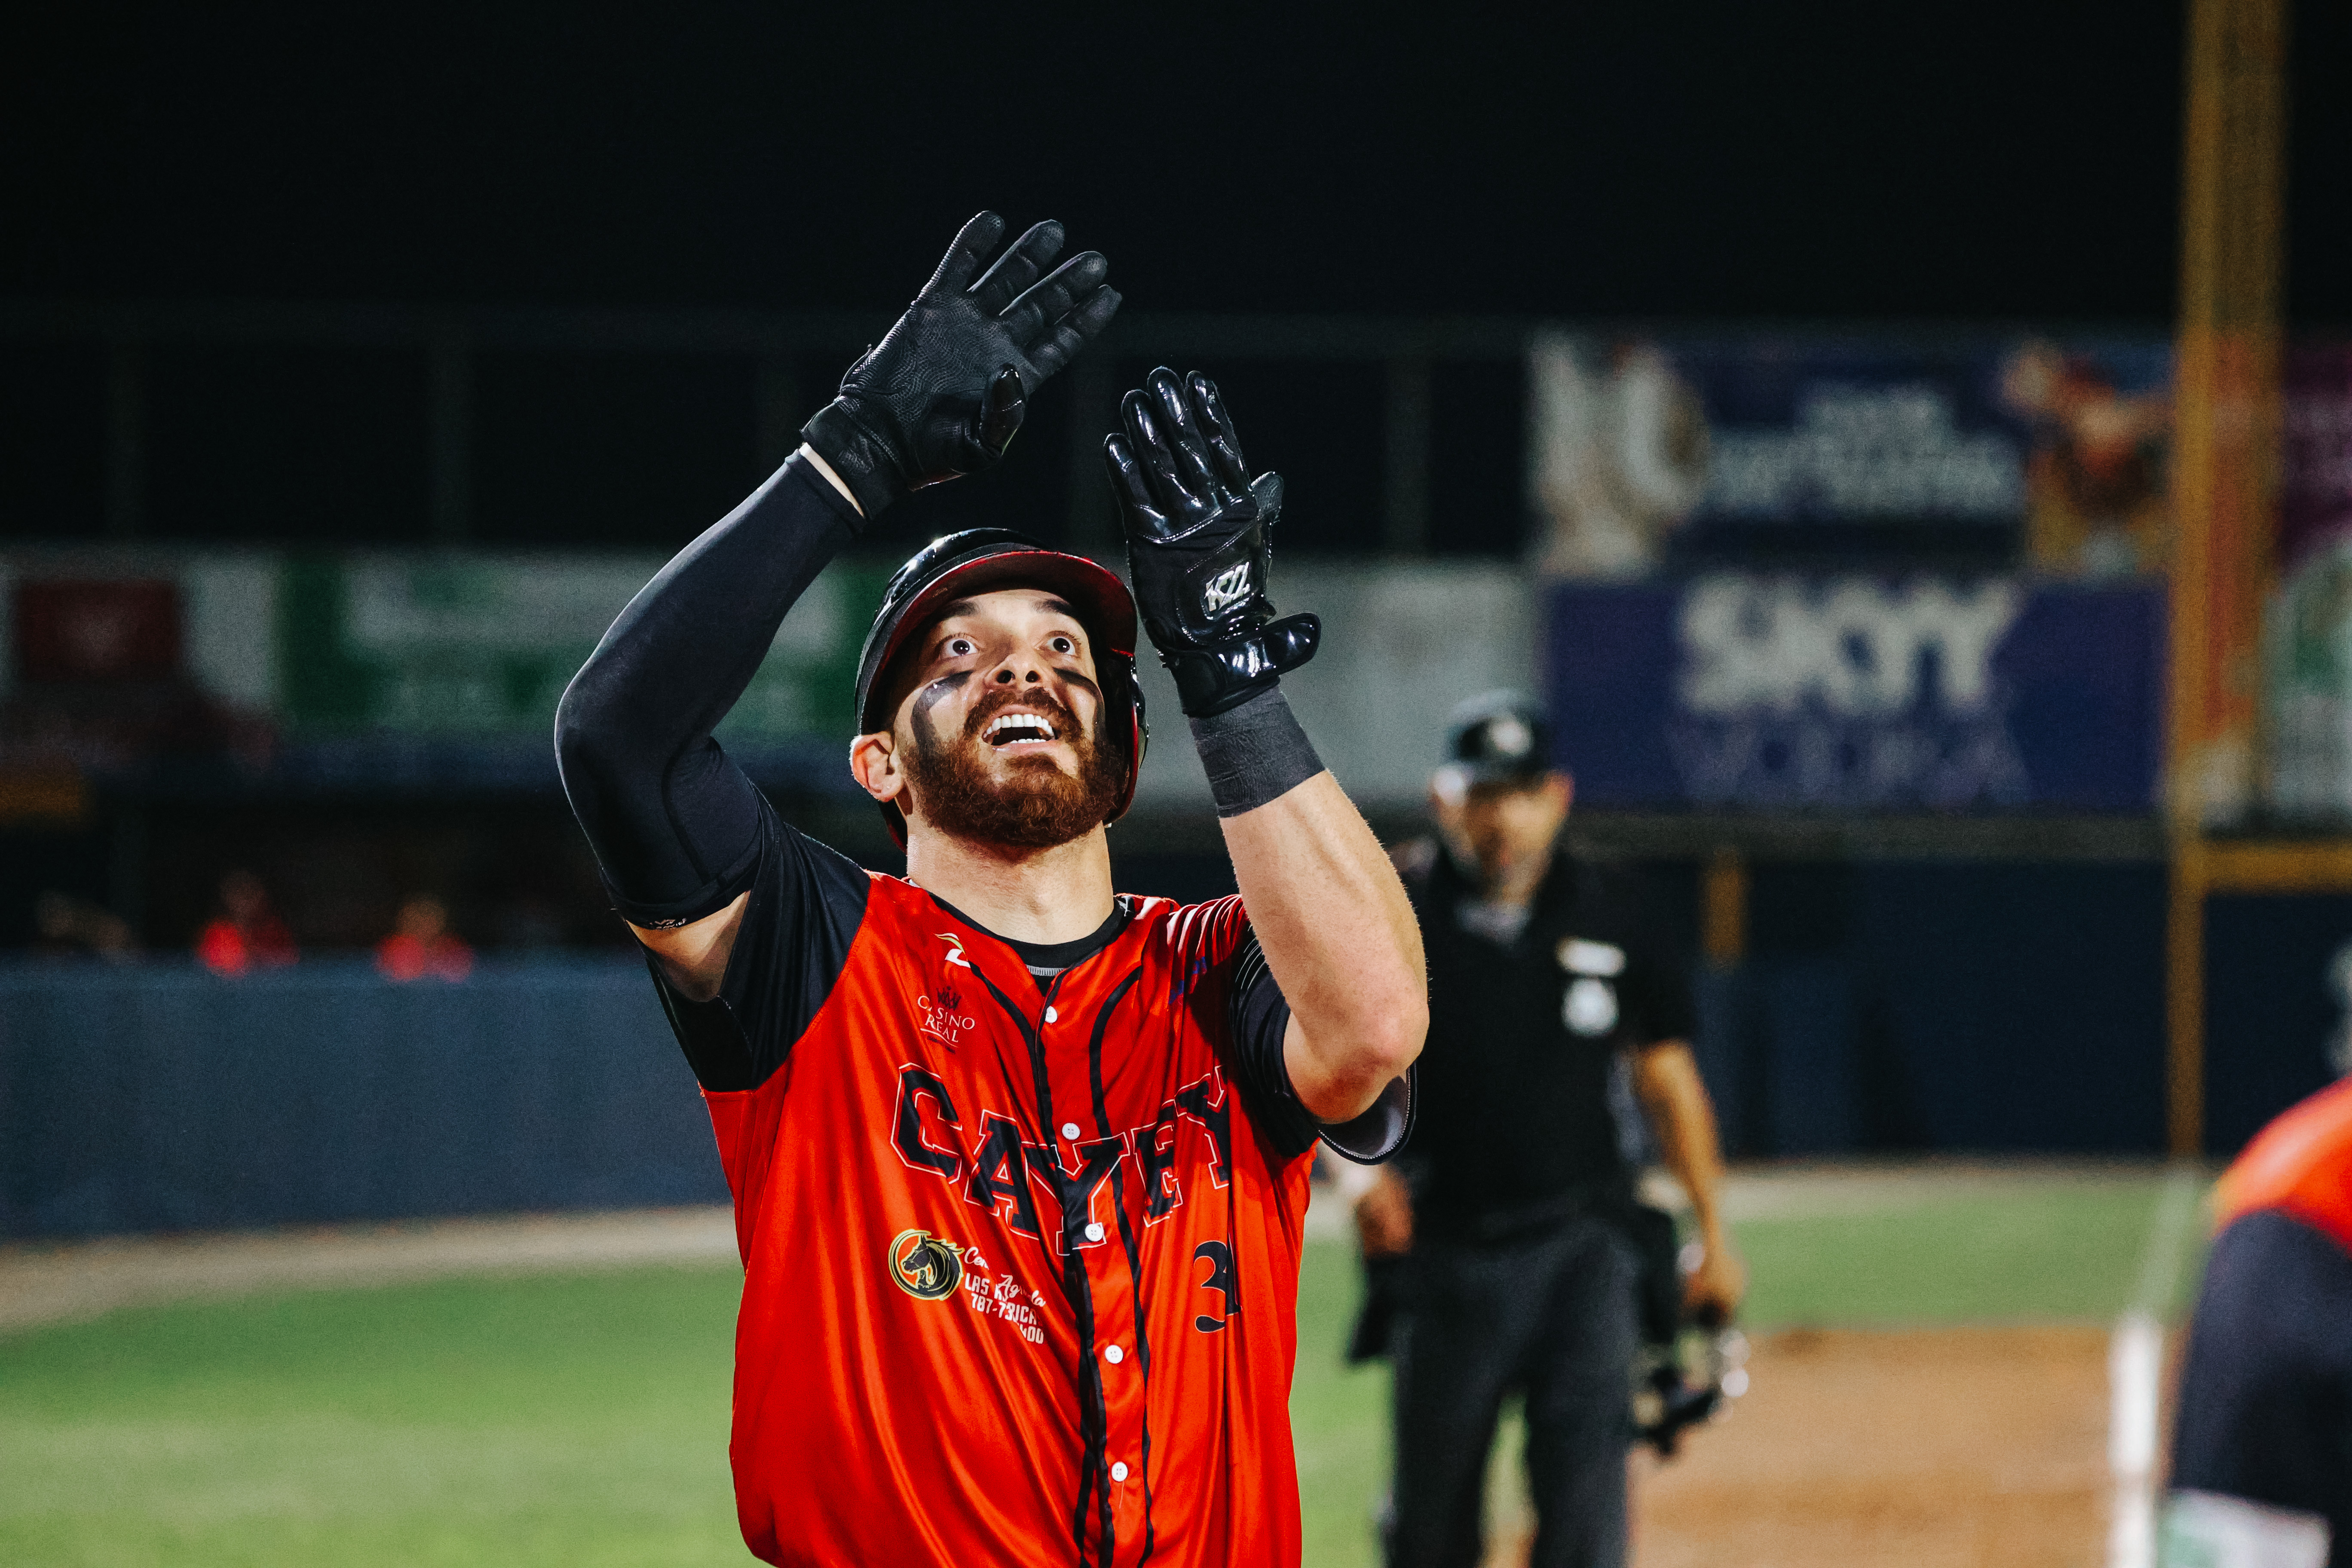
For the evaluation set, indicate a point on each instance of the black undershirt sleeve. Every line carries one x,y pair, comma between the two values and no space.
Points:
1259,1018
806,903
678,830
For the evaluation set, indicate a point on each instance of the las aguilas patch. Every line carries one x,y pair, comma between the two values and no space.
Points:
925,1267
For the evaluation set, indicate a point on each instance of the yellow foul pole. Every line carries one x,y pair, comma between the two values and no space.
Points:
2224,479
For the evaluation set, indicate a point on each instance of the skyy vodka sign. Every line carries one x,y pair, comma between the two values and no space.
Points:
1850,693
1772,691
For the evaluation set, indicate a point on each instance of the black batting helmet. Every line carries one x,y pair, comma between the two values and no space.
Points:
974,561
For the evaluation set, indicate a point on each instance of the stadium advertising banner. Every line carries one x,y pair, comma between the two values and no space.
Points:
1650,452
1687,455
484,645
1851,693
421,670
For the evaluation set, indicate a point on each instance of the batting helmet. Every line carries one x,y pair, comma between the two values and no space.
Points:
975,562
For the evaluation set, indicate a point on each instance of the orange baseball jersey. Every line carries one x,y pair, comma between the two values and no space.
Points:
1020,1227
2301,1165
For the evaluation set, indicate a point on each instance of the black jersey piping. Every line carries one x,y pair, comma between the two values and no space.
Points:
1054,956
1126,1238
1094,1414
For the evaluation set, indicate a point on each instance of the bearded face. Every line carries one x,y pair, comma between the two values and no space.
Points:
1025,801
998,732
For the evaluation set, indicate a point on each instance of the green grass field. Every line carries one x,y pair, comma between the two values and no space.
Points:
581,1420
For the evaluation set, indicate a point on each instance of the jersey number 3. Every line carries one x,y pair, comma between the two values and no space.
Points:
1221,1280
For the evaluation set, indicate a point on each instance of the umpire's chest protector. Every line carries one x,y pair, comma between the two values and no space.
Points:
1021,1272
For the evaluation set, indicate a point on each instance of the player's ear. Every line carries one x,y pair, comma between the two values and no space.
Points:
874,763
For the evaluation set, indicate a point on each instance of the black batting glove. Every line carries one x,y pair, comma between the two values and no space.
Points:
944,392
1196,545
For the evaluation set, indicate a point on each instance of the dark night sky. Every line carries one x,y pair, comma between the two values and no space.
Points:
1872,161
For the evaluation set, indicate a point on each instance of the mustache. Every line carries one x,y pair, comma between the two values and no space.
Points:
1066,724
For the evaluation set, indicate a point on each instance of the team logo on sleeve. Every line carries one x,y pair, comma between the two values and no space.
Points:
925,1267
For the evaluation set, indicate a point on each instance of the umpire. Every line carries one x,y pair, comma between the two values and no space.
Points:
1510,1234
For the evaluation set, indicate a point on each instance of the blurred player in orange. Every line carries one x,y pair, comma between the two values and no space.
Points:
2262,1453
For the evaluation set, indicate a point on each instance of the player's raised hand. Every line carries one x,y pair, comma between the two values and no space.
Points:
945,390
1196,545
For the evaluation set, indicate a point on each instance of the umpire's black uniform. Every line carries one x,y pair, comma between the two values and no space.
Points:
1522,1273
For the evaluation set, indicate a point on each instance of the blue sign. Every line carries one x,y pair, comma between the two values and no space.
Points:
1829,433
1737,691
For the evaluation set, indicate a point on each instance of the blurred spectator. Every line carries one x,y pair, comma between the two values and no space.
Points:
247,934
65,924
421,947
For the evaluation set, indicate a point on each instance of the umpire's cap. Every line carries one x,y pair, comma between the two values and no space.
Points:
1498,737
977,561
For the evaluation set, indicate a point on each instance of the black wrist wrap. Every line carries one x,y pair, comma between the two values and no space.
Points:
1255,753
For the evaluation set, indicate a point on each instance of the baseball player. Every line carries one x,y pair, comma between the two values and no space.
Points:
2261,1450
1019,1162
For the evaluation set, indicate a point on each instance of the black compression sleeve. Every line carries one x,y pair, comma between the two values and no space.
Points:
675,824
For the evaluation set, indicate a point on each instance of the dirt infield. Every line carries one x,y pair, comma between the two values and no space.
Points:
1933,1449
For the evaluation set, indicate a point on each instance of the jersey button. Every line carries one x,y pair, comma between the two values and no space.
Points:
1095,1231
1070,1131
1052,1016
1114,1355
1119,1472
